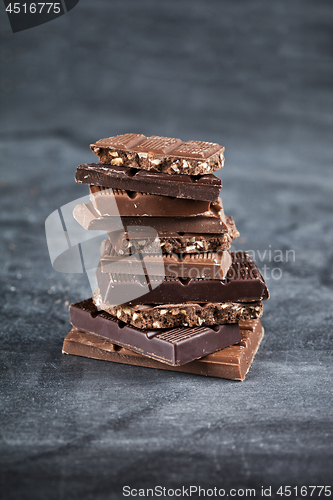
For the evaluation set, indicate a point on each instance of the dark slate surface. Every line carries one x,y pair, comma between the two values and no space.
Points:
255,76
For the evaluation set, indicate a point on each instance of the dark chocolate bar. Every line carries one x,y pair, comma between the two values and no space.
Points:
205,187
110,202
86,215
181,314
160,154
231,363
175,347
173,242
243,283
209,265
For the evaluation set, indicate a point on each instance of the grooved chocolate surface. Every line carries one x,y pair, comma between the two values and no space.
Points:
231,362
243,283
87,216
196,149
174,347
200,187
209,265
111,202
160,154
157,145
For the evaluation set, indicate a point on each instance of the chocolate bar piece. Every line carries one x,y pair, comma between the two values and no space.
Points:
210,265
170,243
89,219
175,347
160,154
231,363
205,187
243,283
172,315
135,204
173,242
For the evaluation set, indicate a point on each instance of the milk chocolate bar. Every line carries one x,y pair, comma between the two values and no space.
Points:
243,283
160,154
204,187
86,215
185,314
173,242
136,204
209,265
230,363
175,347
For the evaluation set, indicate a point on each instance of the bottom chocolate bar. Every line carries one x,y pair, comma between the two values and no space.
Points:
232,362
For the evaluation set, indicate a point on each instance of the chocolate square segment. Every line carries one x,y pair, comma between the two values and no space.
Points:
157,145
125,141
197,150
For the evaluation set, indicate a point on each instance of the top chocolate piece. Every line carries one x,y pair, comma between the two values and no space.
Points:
160,154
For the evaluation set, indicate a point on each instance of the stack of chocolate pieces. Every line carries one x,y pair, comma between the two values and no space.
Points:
169,295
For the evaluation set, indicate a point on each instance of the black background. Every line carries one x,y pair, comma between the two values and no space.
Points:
255,76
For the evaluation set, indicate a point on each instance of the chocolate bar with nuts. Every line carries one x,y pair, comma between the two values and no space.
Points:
231,362
89,219
111,202
175,347
170,243
209,265
203,187
160,154
186,314
173,242
243,283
